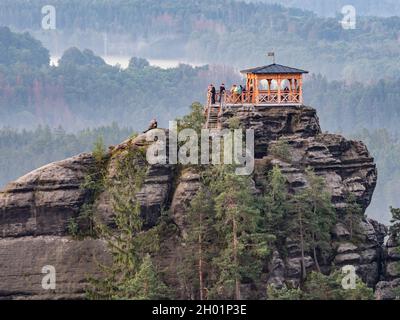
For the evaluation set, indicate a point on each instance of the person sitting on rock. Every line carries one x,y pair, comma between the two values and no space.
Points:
153,125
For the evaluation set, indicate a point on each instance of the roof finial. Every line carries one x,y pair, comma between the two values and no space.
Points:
272,54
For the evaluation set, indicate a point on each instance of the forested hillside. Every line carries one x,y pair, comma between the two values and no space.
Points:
384,8
84,91
349,108
227,32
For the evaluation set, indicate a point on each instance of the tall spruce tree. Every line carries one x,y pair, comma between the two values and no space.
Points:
200,242
353,215
314,218
276,206
237,221
145,284
129,244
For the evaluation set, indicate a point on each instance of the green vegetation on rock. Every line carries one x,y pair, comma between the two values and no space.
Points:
321,287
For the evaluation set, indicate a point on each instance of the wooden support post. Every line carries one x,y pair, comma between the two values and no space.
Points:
256,89
291,90
279,89
300,90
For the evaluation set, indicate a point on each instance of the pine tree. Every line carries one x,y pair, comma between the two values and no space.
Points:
353,214
129,244
322,287
200,240
145,285
315,218
238,224
194,120
298,226
276,206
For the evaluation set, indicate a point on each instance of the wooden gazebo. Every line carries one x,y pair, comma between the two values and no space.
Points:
274,84
271,84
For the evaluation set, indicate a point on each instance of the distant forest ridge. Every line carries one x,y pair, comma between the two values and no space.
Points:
330,8
224,32
83,91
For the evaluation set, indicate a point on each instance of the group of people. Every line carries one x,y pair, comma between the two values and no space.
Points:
235,91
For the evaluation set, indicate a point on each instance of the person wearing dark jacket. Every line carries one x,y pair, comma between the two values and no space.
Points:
221,92
213,92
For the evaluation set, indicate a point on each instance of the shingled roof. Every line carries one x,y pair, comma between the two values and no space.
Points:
273,69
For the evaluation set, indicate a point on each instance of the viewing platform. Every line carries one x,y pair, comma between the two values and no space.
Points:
273,84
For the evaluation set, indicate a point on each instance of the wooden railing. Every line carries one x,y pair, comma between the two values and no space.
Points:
263,97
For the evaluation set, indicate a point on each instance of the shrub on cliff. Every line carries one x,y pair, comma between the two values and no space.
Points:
322,287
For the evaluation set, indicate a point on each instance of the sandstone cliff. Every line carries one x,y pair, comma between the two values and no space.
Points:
35,209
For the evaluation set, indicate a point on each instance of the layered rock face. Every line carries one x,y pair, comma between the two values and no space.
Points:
346,167
34,214
389,287
34,210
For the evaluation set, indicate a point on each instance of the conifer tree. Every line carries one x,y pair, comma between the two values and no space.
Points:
129,244
276,206
145,284
200,240
238,224
315,218
322,287
395,221
353,214
194,120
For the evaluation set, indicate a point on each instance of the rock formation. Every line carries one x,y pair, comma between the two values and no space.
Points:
35,209
389,288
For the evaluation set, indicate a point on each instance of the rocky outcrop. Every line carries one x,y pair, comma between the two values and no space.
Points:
366,255
187,187
345,165
35,209
41,202
24,262
389,287
272,122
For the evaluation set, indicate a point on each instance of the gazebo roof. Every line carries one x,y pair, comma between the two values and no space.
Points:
273,69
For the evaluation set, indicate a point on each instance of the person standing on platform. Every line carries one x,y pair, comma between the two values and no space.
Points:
221,92
213,93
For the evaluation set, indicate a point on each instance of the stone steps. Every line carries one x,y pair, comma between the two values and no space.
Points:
212,118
